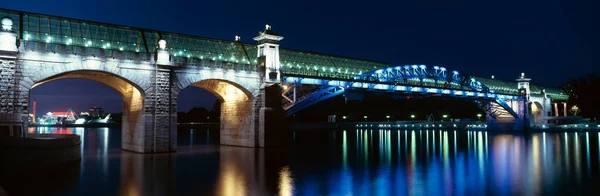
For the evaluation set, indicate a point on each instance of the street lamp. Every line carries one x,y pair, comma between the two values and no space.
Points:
388,118
412,116
445,116
478,116
365,118
344,117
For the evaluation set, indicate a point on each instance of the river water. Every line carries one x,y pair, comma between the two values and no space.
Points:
335,162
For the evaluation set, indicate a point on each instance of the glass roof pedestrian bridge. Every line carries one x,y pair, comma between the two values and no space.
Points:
76,34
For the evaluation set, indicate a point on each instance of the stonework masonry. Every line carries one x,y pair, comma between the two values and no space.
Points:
149,92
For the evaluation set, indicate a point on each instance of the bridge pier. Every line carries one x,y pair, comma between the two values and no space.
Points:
13,116
271,129
510,123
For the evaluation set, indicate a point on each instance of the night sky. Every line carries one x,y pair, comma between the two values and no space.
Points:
549,40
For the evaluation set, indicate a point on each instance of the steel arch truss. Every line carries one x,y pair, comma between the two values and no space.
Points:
423,76
309,98
497,108
303,91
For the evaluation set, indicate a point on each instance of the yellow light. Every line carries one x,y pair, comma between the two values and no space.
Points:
286,182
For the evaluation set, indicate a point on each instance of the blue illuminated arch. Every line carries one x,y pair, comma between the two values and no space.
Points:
422,75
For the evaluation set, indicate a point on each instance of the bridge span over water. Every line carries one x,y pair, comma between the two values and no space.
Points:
257,83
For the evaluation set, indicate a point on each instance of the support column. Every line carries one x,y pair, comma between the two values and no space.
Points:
556,109
565,109
523,122
160,117
271,130
160,110
294,86
13,97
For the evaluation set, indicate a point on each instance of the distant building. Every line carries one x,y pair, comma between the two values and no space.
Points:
96,112
84,114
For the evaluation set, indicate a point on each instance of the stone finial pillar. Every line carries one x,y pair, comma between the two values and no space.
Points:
8,38
523,84
268,55
162,55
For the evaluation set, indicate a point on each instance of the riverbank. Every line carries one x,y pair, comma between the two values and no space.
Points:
418,125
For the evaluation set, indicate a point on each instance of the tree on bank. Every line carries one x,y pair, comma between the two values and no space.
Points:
584,92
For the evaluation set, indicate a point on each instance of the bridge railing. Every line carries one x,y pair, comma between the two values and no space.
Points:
187,61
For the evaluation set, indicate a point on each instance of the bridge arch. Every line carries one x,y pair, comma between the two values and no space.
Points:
133,121
537,111
238,117
422,75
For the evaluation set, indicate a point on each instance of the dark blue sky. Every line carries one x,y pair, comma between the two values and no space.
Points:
549,40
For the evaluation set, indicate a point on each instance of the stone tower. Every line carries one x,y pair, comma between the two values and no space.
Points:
268,55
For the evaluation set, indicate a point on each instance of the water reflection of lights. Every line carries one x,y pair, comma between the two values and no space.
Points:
81,132
365,145
413,149
535,151
587,151
440,140
454,143
191,137
433,139
286,182
105,150
445,151
406,142
389,147
231,181
344,148
567,159
577,157
398,144
427,143
544,145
